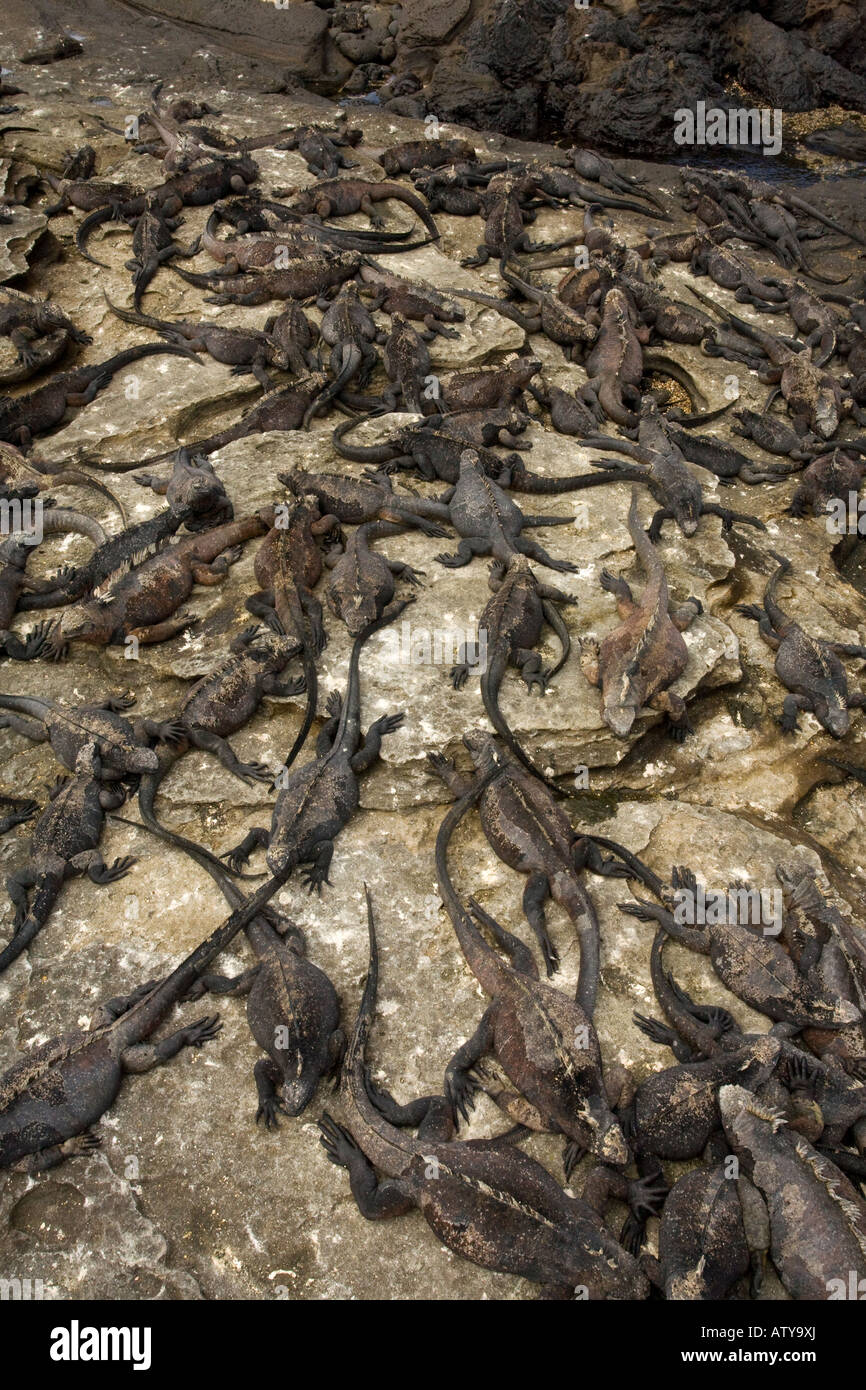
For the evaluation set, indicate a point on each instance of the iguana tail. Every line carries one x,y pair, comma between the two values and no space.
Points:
774,612
147,793
44,896
381,1141
491,681
360,453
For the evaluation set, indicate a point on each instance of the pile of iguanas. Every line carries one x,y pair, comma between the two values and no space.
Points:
344,333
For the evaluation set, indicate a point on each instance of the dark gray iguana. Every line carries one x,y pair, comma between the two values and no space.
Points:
544,1041
320,797
122,745
64,843
807,666
816,1217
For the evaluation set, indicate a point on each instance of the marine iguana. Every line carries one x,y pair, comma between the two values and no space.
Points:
703,1248
509,631
556,320
561,185
495,1206
318,799
272,248
193,491
817,1220
243,349
199,497
832,950
595,167
561,1077
807,666
304,277
532,834
50,1100
774,435
358,500
663,470
322,150
615,364
144,601
362,582
818,1098
490,522
487,388
43,409
15,551
122,745
424,154
153,245
64,843
25,321
218,705
485,429
395,294
639,661
814,318
813,395
20,477
281,409
195,188
407,364
754,965
349,330
288,566
292,1010
343,197
829,478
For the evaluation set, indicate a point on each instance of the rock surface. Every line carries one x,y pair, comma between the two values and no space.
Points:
188,1199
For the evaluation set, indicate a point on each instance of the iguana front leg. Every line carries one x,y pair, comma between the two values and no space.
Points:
52,1157
320,863
100,873
791,706
272,685
674,706
257,838
377,1201
445,768
160,632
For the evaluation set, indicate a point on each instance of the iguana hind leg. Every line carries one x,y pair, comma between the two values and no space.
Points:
142,1057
